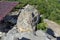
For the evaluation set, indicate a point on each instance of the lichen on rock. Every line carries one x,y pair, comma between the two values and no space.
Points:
26,18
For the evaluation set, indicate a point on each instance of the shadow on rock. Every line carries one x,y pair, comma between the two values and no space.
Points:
58,38
24,38
50,32
8,23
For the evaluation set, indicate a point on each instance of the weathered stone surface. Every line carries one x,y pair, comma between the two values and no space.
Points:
1,34
26,23
28,18
13,34
54,27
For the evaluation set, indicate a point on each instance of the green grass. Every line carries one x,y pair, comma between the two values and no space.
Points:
42,26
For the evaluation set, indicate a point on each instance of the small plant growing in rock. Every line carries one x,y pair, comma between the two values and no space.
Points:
41,26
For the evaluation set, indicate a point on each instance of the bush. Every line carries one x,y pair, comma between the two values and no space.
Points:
41,26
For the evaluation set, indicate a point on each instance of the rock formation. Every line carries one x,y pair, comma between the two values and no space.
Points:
25,27
28,19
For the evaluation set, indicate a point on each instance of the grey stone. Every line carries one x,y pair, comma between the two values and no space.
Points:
40,33
1,34
54,27
25,28
13,34
50,37
28,18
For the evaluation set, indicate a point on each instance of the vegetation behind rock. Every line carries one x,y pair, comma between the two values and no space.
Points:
50,9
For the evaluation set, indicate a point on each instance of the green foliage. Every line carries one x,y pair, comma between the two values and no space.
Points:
41,26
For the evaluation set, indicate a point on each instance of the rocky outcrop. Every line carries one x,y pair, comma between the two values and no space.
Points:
28,18
25,27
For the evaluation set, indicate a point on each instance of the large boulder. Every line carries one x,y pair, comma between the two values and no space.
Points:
28,19
25,29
